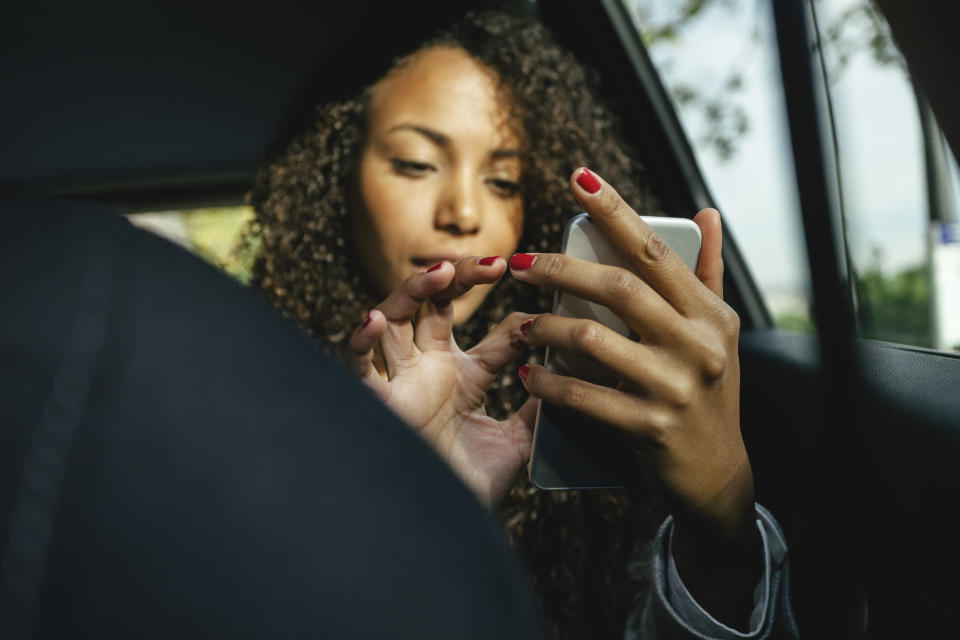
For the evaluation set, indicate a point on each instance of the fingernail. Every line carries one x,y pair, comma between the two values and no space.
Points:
523,371
522,261
366,321
486,262
525,326
588,182
434,267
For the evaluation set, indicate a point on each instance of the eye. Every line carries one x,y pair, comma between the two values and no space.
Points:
503,187
410,167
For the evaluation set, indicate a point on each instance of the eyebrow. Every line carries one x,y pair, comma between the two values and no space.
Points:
435,136
444,140
505,153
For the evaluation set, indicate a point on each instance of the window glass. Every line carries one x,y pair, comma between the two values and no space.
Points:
945,266
718,59
906,264
215,234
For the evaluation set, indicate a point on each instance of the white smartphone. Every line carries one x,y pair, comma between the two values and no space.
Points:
569,450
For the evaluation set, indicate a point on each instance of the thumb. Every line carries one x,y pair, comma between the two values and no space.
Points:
520,425
710,264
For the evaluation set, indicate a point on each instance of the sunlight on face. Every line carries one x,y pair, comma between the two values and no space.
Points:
439,173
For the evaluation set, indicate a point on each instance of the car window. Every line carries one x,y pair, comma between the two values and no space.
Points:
216,234
718,60
902,235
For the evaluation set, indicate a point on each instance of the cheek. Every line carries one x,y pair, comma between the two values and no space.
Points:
380,218
375,228
375,204
508,227
395,208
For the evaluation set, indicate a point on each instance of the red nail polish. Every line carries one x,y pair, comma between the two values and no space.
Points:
522,261
588,182
486,262
525,326
523,371
366,321
434,267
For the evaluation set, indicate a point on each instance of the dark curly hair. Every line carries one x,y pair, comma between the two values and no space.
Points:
585,551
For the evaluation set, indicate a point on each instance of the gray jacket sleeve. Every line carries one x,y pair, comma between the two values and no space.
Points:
669,612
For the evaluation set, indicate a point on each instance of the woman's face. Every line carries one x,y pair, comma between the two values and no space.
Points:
439,174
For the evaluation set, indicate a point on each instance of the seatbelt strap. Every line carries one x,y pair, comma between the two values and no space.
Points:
36,504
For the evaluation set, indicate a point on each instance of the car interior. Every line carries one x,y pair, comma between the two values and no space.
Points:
854,442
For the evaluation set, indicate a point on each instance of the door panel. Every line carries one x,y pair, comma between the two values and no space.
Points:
874,523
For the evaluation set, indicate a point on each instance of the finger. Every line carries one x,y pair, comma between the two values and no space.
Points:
622,291
645,250
642,367
401,306
710,264
404,303
469,273
632,414
359,358
434,327
499,347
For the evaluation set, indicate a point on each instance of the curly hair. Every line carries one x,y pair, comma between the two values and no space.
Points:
585,551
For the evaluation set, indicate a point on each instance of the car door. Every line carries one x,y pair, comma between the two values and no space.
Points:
853,441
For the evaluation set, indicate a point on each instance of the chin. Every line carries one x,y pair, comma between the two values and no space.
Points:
466,306
459,319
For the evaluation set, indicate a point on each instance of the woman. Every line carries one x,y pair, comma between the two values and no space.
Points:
397,208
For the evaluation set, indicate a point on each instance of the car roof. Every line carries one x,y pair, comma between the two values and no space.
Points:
120,95
182,96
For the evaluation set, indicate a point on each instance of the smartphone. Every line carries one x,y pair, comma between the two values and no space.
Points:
569,450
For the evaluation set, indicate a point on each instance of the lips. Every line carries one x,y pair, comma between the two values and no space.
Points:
429,261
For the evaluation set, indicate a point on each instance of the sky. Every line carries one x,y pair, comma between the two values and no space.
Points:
878,137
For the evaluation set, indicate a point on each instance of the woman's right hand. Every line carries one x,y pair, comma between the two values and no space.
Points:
438,389
678,401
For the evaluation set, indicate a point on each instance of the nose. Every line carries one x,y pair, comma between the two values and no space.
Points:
459,208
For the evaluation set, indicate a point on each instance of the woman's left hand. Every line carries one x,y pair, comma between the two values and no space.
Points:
679,400
438,389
